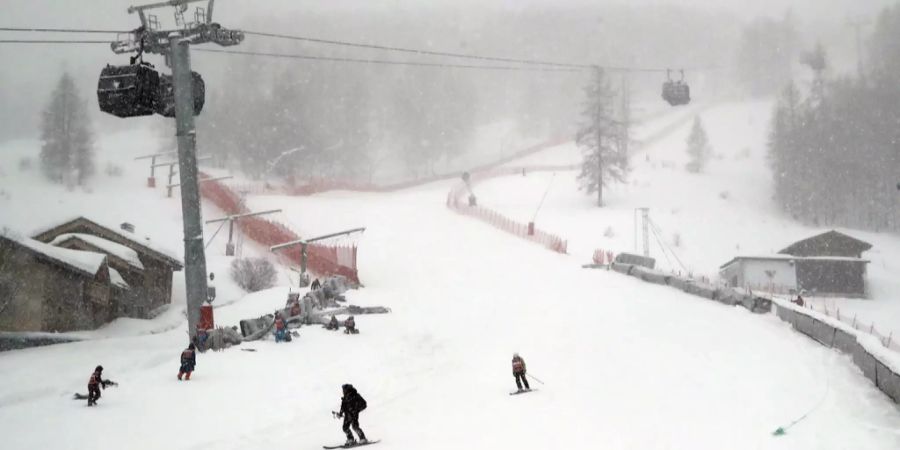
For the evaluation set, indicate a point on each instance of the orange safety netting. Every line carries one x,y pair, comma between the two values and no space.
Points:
321,259
457,201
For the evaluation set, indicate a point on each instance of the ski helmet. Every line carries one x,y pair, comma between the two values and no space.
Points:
99,369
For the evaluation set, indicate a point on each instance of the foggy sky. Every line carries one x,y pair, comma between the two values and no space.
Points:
29,72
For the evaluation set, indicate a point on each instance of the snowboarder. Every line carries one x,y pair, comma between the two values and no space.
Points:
351,405
350,326
316,284
188,362
518,367
94,384
332,324
280,328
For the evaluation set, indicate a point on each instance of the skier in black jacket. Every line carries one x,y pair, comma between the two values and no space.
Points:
351,405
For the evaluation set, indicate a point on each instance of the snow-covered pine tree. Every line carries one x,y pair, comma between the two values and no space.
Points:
597,137
67,153
698,147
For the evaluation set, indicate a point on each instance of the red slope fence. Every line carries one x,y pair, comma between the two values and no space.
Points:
321,259
320,185
457,200
342,260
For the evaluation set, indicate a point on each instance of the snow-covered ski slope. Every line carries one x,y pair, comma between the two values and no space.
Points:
626,365
706,218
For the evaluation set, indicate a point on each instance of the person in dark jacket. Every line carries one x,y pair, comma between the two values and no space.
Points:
332,324
315,285
518,367
188,362
350,326
94,384
351,405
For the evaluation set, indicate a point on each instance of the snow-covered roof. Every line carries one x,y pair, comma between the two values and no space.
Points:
86,262
116,279
782,257
774,257
832,258
114,229
118,250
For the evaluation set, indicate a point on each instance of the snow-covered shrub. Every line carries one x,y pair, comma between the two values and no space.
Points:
253,274
113,170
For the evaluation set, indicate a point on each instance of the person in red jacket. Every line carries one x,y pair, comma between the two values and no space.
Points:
188,362
94,384
518,368
280,328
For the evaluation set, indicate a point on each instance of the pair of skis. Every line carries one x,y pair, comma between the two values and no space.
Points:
522,391
357,444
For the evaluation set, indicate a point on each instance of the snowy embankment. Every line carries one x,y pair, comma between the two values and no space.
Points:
626,365
706,219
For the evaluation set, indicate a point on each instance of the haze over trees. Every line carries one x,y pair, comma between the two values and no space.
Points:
766,55
602,138
67,153
833,148
698,147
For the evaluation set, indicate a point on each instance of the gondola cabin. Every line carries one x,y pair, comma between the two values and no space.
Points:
676,92
128,91
166,106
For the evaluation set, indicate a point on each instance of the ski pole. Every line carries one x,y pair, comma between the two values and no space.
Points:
533,378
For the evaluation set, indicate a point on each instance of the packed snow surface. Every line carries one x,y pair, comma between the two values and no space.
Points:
625,365
706,219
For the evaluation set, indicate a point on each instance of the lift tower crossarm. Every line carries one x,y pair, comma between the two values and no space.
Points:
238,216
175,163
155,155
315,239
304,243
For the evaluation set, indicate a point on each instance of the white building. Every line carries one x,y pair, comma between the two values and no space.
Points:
772,273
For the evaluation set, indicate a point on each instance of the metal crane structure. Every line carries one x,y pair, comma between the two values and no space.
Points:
229,247
304,244
137,89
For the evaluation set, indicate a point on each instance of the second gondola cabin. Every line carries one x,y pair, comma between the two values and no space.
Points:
166,106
